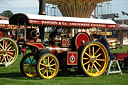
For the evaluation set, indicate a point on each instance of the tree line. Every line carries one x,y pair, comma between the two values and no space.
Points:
7,13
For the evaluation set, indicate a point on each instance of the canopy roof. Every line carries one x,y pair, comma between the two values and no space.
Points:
59,2
5,25
4,21
31,19
76,8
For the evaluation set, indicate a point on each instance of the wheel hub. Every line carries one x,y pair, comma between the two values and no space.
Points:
93,59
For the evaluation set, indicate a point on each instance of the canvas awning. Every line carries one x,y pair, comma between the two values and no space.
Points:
31,19
122,26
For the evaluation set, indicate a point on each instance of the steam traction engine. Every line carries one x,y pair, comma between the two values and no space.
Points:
62,52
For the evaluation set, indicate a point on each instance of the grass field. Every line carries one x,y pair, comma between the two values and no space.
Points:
11,75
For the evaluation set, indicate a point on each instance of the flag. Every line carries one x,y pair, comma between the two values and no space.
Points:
127,14
123,13
94,17
100,16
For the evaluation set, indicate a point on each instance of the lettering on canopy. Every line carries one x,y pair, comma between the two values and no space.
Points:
7,26
75,24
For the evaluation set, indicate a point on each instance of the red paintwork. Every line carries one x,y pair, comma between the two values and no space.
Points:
81,37
64,42
2,34
69,55
66,23
53,51
121,56
23,49
38,45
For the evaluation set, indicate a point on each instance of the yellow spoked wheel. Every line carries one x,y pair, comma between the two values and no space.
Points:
94,59
28,65
47,66
8,51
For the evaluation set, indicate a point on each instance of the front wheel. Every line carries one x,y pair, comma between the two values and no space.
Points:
93,58
47,66
28,65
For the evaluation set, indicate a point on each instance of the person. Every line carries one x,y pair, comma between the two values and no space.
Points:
103,40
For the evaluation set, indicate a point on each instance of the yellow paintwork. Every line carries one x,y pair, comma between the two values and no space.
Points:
8,51
48,66
96,59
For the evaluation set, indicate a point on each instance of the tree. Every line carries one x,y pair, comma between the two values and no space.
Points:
7,13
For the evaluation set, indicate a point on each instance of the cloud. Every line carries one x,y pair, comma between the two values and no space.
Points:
26,6
24,3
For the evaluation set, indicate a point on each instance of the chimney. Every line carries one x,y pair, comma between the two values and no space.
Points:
42,7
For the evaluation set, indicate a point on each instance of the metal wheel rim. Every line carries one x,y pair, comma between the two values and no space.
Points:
29,66
8,51
94,61
48,66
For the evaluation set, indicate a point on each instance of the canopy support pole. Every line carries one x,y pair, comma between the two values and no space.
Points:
18,32
25,31
105,33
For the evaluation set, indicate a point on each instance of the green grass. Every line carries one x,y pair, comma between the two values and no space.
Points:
11,75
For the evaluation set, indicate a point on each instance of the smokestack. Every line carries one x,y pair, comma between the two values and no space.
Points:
42,7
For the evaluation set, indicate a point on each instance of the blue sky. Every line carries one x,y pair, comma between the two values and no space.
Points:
31,6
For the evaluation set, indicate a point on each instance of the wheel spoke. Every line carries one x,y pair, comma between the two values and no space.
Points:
10,56
48,60
85,58
100,59
1,50
30,59
51,61
30,70
96,51
47,73
96,68
33,71
10,53
98,64
89,51
8,59
44,72
8,45
44,61
93,50
88,67
50,70
98,55
41,68
52,65
86,63
92,67
42,64
1,46
11,50
87,54
27,69
3,59
26,64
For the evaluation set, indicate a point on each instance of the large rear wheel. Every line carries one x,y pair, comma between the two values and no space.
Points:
47,66
93,58
8,51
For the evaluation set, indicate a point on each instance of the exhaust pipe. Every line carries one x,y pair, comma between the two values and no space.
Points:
42,7
42,12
